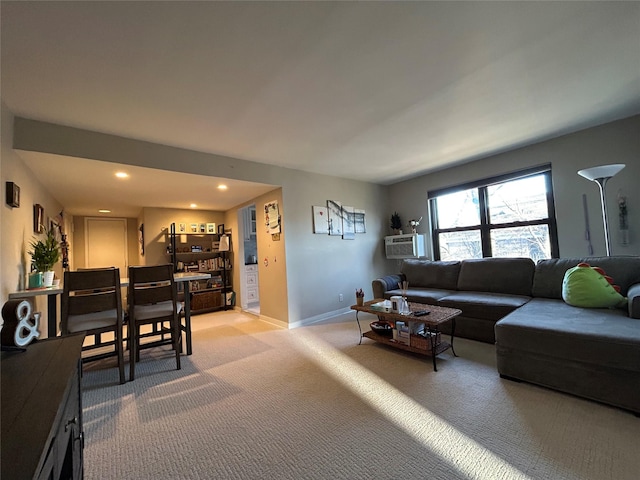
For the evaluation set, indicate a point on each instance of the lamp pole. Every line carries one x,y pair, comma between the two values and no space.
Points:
601,176
602,183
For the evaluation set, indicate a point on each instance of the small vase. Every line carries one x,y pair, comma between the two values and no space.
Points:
35,280
47,278
359,301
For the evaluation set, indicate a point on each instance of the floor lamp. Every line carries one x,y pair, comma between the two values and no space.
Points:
224,248
601,176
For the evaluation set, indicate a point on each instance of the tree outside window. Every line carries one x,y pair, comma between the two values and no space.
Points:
509,216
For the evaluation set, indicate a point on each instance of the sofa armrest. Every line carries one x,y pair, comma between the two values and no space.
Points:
384,284
633,295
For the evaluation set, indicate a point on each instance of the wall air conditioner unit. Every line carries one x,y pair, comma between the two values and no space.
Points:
404,246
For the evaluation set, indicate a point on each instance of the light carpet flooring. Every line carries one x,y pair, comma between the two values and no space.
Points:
255,401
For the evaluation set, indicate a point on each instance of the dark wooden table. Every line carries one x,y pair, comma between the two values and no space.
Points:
436,317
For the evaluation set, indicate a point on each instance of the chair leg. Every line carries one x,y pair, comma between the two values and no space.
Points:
136,340
120,350
132,350
177,343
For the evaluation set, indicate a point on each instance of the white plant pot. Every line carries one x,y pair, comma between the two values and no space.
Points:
47,279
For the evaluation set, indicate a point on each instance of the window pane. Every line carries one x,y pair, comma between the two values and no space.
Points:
460,245
531,241
518,201
458,209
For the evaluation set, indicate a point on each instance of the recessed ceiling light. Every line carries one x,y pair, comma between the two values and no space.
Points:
222,186
104,211
122,175
193,205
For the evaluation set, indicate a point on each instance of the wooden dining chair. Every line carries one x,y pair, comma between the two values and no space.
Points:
92,303
153,300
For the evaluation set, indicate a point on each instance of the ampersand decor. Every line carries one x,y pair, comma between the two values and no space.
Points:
19,328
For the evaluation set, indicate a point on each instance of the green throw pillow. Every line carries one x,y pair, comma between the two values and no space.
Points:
589,287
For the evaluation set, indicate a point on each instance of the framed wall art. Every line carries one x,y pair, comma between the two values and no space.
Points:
12,195
38,218
358,219
320,219
272,217
348,224
141,238
335,217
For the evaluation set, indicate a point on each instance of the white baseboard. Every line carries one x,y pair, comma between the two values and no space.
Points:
306,321
319,318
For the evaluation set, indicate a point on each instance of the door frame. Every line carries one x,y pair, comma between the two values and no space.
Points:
86,237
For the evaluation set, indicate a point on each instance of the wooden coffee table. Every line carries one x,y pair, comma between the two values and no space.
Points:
436,317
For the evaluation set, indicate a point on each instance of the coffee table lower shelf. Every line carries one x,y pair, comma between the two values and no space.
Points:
441,347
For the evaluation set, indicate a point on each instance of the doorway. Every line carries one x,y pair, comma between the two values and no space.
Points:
248,256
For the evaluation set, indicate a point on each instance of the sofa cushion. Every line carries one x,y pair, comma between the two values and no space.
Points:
499,275
384,284
421,295
487,306
552,328
428,274
549,273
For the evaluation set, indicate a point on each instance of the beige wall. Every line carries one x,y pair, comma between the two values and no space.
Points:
272,260
318,268
615,142
16,230
156,225
312,270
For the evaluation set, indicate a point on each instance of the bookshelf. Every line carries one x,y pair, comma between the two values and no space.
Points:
199,252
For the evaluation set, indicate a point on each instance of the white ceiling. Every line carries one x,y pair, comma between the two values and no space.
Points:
376,91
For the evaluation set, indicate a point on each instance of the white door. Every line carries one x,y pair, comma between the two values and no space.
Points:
106,243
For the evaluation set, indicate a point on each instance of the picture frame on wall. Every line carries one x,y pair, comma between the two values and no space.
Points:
54,226
221,229
38,218
141,238
202,228
272,217
335,217
194,228
359,220
182,228
211,228
320,219
13,194
348,224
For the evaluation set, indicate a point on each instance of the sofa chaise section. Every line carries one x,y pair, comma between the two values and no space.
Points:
589,352
592,353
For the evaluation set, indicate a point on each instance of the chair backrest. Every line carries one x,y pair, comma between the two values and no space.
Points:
88,292
150,285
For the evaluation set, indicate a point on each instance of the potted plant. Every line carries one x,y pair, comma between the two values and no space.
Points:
44,255
396,223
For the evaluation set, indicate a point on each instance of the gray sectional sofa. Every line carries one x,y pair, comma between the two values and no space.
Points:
593,353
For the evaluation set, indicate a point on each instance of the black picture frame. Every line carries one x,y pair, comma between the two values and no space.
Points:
221,229
141,238
38,218
13,194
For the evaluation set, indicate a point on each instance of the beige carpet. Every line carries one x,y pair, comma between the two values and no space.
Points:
258,402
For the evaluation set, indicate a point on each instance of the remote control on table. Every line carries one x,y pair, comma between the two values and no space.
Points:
421,313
